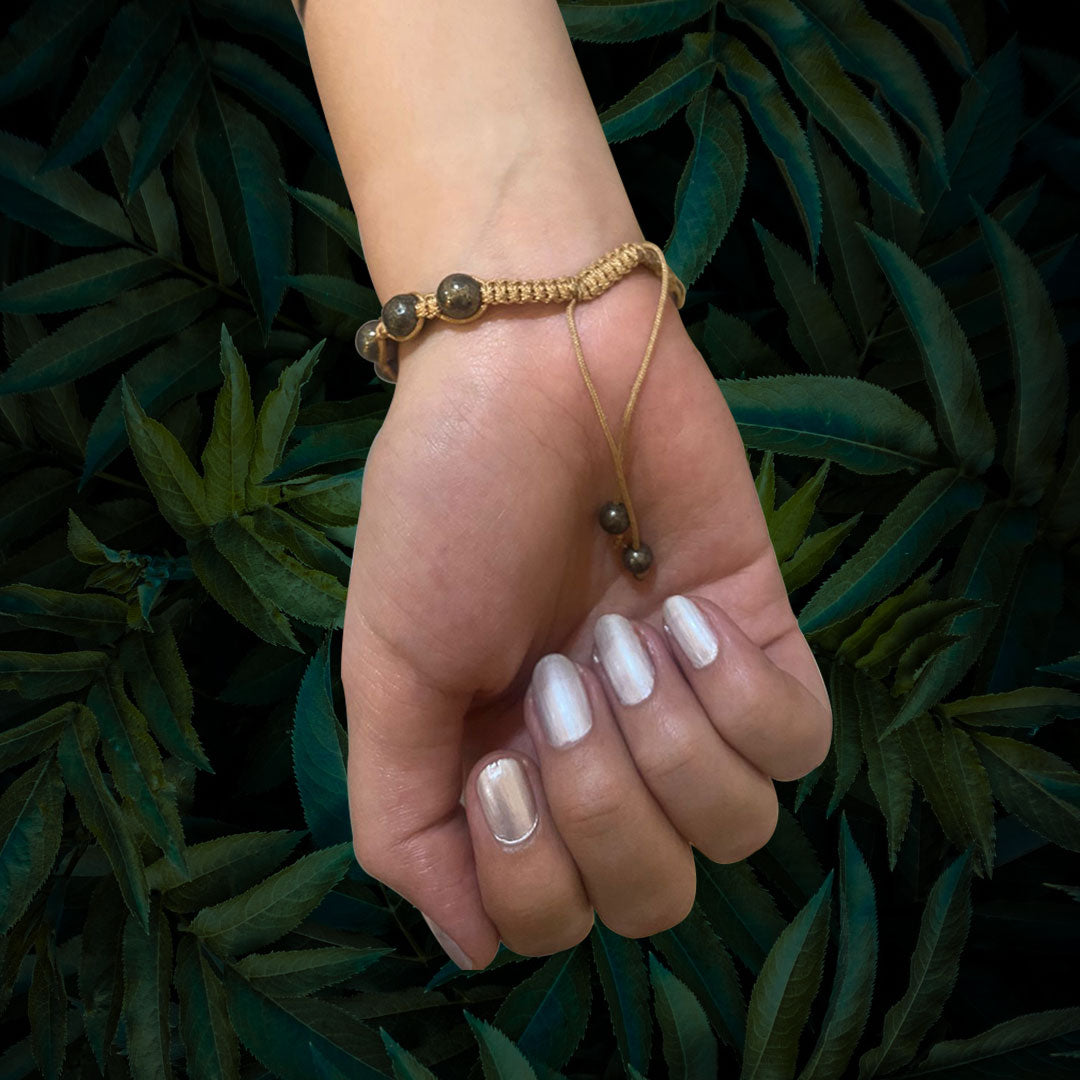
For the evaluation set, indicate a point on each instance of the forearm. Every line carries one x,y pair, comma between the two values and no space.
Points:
466,137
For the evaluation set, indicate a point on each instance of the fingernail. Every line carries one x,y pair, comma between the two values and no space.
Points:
624,658
450,946
690,628
507,800
562,701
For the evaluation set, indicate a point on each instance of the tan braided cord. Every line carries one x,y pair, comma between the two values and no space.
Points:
592,281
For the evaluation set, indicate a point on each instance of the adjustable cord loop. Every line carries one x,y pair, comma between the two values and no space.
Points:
461,298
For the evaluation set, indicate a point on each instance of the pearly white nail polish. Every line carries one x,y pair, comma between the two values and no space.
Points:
450,946
507,800
624,658
691,630
561,699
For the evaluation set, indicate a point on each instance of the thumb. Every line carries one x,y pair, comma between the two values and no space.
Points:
405,784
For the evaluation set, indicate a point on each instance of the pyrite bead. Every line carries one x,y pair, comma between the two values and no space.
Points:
458,296
614,518
367,345
388,371
637,559
399,315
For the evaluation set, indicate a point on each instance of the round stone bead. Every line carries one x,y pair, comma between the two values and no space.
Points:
388,371
637,559
458,296
399,315
367,345
614,518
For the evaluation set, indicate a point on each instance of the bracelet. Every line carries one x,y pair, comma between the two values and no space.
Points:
461,298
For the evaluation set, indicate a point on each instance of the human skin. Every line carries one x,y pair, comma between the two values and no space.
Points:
468,142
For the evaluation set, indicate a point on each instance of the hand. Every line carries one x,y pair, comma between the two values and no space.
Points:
478,554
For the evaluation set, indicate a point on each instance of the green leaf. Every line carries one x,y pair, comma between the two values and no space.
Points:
209,1040
660,95
984,569
42,675
232,592
335,217
780,130
281,1033
277,417
151,209
241,163
337,293
546,1014
226,457
814,552
277,576
814,325
885,615
833,99
1037,419
733,350
886,762
857,285
77,754
627,20
1010,1048
934,964
500,1058
789,523
136,40
25,741
939,18
272,908
148,960
978,144
711,184
342,440
909,533
31,822
101,981
909,625
868,48
59,203
299,972
866,428
689,1046
136,764
47,1005
846,748
406,1067
200,210
93,616
785,989
107,332
740,908
178,489
1040,788
1026,707
268,19
948,363
625,983
856,964
219,869
169,107
43,41
163,692
318,760
265,85
182,366
81,282
696,955
955,785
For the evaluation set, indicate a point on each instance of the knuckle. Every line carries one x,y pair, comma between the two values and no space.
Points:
592,810
564,933
751,838
667,910
677,754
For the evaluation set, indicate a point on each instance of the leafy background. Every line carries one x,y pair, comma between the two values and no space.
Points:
875,210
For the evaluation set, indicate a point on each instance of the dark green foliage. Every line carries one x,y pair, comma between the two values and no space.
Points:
874,208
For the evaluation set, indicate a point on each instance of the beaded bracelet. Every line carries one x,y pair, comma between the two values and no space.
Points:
461,298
